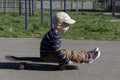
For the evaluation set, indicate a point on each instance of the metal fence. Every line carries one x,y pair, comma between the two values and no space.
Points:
70,5
16,6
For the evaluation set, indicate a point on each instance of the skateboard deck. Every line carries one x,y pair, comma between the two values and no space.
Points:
23,59
22,62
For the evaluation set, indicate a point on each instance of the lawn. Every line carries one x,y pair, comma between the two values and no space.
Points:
89,26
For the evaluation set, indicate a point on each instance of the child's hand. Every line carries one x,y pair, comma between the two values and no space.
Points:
70,63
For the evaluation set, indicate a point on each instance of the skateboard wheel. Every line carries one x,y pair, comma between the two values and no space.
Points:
62,66
21,66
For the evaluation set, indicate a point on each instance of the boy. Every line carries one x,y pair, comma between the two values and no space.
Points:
50,48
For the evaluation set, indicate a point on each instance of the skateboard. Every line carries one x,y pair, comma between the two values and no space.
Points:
22,62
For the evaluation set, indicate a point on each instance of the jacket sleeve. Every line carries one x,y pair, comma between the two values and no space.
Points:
62,57
56,45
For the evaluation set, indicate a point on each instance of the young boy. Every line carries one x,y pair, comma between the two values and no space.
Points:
50,48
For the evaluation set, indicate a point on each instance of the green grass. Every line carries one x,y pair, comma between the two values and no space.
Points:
94,26
89,26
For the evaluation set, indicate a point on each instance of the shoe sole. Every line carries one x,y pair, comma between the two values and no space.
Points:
92,60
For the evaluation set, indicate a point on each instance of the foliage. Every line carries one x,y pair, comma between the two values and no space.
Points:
89,26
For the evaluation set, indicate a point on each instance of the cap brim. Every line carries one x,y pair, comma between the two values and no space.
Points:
70,21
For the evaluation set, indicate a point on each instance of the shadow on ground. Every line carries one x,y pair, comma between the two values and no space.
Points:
31,63
34,66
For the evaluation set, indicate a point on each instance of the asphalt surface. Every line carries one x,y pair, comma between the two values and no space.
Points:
107,67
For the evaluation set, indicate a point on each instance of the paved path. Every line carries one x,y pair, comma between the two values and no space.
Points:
107,67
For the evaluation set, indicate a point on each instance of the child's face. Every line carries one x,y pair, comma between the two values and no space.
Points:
63,27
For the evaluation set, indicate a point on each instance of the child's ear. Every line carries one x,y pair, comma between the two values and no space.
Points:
58,25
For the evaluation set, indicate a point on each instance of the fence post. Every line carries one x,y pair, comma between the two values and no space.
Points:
60,4
20,8
5,6
2,5
64,5
14,6
42,12
51,13
30,8
113,7
26,14
76,6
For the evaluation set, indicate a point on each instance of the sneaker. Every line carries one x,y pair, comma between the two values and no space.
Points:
93,55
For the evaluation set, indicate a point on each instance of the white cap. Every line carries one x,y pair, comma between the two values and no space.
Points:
63,17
